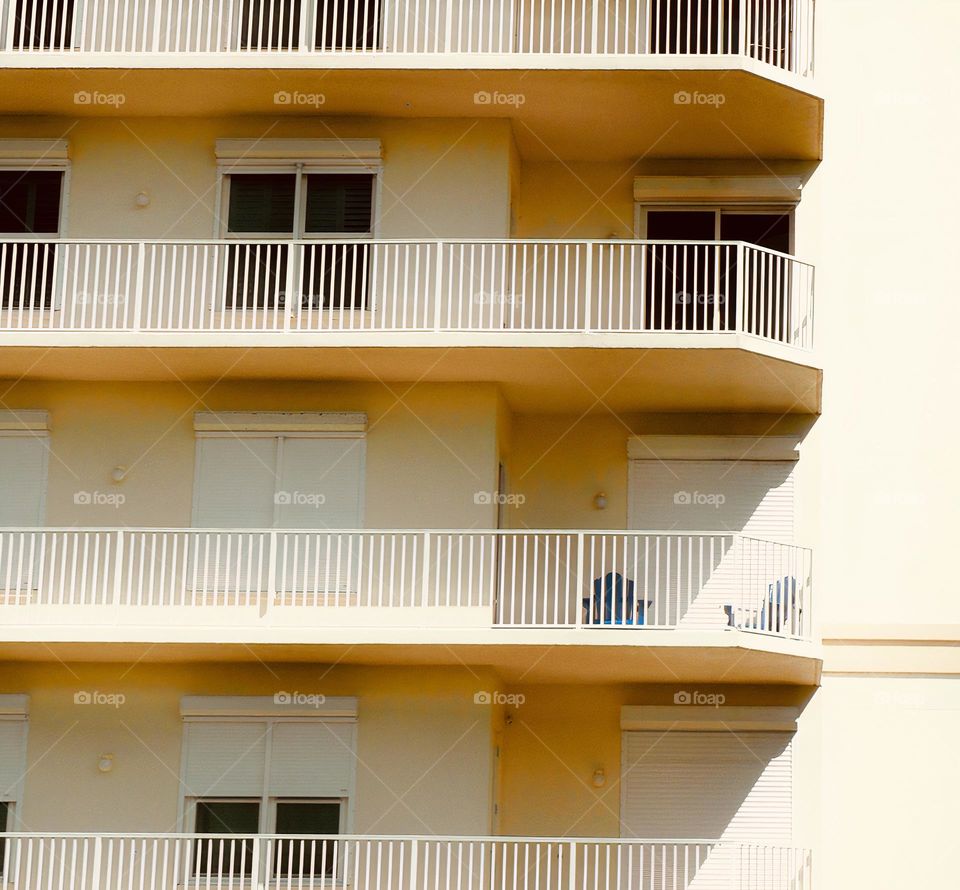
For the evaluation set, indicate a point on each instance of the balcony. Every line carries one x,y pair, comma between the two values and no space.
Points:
192,862
618,595
713,315
695,78
661,33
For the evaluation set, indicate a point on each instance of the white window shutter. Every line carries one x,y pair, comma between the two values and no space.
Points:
23,470
235,482
321,483
225,759
758,496
723,785
12,766
315,759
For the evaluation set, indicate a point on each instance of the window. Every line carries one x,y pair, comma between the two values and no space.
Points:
295,855
703,281
29,205
278,481
253,766
39,24
307,206
341,25
23,476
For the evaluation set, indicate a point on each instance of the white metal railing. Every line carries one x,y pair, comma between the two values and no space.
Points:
356,285
777,32
546,579
270,862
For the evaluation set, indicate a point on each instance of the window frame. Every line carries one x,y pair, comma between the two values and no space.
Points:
642,209
187,814
301,171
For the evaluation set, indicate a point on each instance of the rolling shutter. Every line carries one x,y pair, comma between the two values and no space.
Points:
308,758
235,482
23,472
723,785
225,759
758,496
329,468
13,734
314,759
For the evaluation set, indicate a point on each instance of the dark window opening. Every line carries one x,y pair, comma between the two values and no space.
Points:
712,27
343,25
262,203
29,205
4,826
219,855
693,287
349,24
40,24
306,857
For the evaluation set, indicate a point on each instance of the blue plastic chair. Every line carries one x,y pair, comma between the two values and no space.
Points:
613,602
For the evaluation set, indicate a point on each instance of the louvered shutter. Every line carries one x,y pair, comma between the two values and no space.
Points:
262,202
735,786
758,496
12,738
225,759
23,467
315,759
339,203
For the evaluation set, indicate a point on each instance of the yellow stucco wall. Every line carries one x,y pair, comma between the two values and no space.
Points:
419,735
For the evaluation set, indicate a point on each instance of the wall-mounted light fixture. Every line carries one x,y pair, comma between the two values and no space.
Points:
142,200
599,778
105,763
119,474
600,501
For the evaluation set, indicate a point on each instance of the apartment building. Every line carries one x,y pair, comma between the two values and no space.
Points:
456,445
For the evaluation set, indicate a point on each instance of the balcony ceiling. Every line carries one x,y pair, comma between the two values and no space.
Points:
590,115
537,373
549,657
